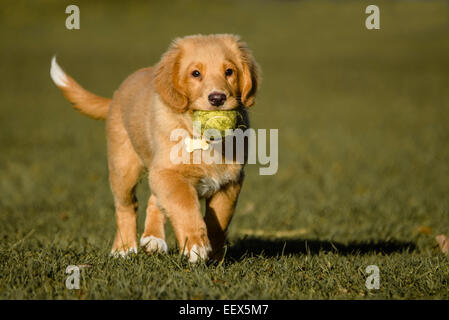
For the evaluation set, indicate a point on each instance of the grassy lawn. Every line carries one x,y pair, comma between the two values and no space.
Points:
363,179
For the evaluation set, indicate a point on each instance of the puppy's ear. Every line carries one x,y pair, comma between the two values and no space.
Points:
166,80
250,75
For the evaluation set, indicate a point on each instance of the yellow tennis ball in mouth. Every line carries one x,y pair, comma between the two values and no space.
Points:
220,120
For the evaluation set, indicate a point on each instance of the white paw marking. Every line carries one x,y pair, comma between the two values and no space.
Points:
153,244
123,253
199,253
57,74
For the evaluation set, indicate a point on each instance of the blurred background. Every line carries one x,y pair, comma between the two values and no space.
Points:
363,115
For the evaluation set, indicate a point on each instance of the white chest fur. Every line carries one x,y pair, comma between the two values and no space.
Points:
208,186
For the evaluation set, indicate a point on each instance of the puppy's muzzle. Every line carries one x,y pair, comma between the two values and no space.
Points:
217,98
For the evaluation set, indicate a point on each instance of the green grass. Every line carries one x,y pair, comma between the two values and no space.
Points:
363,119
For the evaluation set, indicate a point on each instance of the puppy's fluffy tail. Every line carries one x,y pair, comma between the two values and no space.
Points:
82,100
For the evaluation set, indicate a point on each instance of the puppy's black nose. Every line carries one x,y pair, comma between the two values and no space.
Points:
217,98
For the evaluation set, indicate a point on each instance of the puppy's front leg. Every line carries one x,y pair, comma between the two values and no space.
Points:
178,197
219,211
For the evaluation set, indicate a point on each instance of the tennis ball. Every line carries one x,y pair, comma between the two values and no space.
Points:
220,120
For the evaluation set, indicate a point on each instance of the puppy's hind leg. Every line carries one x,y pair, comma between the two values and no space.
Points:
153,237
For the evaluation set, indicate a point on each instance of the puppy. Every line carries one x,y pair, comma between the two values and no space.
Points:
213,72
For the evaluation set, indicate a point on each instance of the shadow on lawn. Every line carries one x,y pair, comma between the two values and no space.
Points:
252,246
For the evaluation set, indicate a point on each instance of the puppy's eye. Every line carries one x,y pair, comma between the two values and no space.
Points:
229,72
196,73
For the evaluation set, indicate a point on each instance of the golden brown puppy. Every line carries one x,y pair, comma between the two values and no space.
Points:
214,72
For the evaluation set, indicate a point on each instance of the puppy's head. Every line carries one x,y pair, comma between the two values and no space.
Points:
215,72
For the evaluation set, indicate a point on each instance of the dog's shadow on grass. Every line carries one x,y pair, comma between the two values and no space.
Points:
255,246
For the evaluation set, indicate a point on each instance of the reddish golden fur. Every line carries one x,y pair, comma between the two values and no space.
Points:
143,112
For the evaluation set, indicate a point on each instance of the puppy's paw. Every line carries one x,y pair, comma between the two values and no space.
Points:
198,252
153,244
123,253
